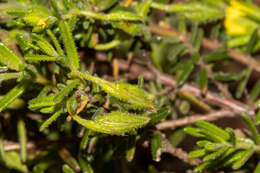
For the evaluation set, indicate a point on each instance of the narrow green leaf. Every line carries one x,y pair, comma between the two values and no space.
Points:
254,93
22,139
69,44
197,153
85,165
24,44
41,58
257,169
252,41
156,146
2,150
159,115
114,123
187,69
215,56
216,154
257,118
212,146
67,169
13,94
13,161
197,42
44,45
143,8
246,156
228,76
10,59
44,91
46,123
203,78
133,29
252,128
42,101
43,165
8,76
66,91
136,97
194,132
107,46
85,140
232,136
243,83
55,8
55,42
104,5
177,137
213,129
114,16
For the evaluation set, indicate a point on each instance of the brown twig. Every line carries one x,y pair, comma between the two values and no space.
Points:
209,44
10,146
178,152
211,97
172,124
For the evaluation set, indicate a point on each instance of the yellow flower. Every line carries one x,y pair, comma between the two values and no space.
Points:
239,18
42,22
233,13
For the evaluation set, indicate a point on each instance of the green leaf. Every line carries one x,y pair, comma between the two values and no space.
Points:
143,8
43,165
254,93
252,41
41,58
134,29
67,169
203,78
46,123
215,56
8,58
257,169
187,69
197,153
228,76
243,83
107,46
114,16
159,115
257,118
195,11
85,165
177,137
194,132
114,123
221,134
246,156
55,42
42,101
156,146
69,44
66,91
44,45
22,139
13,94
104,5
85,140
252,128
136,97
13,161
8,76
216,154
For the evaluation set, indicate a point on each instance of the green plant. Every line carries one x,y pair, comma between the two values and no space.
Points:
72,114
